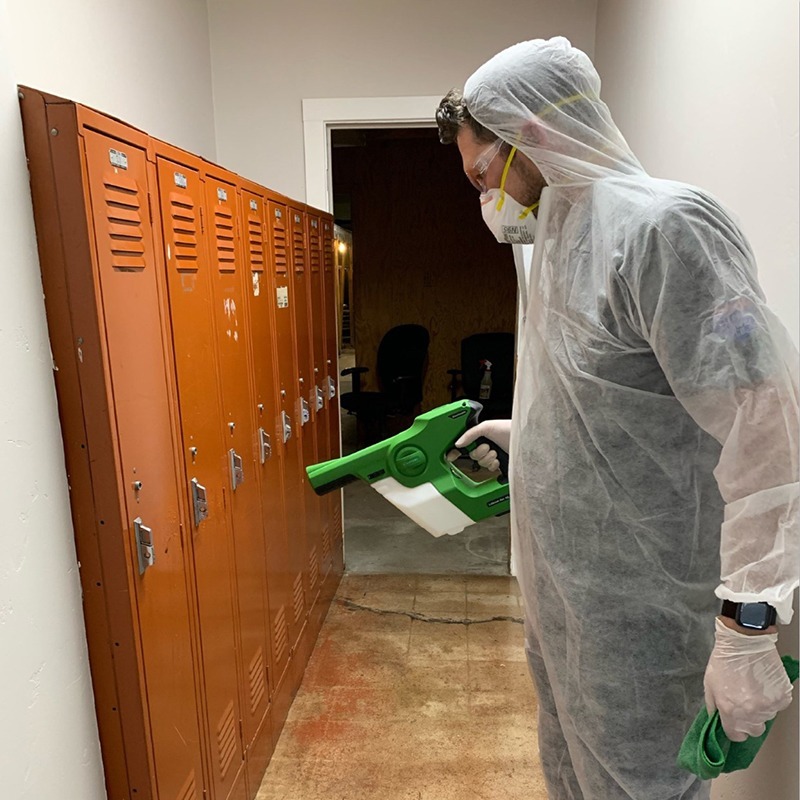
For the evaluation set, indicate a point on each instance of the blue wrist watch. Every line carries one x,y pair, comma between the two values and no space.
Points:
755,616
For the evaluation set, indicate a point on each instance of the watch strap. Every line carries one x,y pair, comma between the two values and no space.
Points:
730,609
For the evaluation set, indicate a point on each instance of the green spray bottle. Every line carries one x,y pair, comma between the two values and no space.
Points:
411,470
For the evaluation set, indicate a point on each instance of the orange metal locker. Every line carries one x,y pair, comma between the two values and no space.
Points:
283,300
228,275
105,315
316,312
332,378
260,308
307,406
181,199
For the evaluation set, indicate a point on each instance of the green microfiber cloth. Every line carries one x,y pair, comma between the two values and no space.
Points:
707,751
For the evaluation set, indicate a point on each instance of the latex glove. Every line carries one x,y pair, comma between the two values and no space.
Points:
498,430
745,681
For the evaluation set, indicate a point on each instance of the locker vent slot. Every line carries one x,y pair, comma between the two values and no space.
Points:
313,567
183,219
326,546
258,680
189,789
281,636
297,598
313,242
279,244
255,238
327,250
226,739
123,211
224,239
298,250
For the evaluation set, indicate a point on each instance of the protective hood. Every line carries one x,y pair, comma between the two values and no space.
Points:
544,97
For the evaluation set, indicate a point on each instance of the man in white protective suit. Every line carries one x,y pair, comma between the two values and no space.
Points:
654,439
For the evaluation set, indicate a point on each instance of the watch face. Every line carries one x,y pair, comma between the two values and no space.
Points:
754,615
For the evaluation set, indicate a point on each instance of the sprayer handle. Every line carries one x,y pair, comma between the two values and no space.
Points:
502,456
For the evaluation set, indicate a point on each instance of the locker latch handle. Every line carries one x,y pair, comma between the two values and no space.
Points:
320,397
287,426
144,545
305,411
331,388
265,447
237,469
199,502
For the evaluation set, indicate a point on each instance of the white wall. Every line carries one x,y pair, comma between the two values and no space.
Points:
144,61
149,63
707,92
269,55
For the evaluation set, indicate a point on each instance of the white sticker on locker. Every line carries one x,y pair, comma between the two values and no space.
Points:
253,205
297,218
278,213
222,195
283,297
180,180
313,223
118,159
256,284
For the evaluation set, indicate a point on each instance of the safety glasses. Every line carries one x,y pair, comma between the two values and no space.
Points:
482,162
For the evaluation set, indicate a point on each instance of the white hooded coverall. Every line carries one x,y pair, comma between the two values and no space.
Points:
654,442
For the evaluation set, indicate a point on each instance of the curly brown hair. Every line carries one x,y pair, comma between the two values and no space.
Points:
452,115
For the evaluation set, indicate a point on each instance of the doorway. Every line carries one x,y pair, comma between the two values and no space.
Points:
420,255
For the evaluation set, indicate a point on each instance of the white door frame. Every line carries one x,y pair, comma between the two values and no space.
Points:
322,115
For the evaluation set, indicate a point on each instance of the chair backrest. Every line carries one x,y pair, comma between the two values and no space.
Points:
497,348
403,353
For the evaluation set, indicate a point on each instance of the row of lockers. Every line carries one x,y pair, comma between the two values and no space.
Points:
192,317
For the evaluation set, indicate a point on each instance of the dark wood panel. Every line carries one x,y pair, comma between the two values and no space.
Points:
421,253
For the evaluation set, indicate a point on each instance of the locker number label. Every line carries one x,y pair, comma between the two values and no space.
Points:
118,159
222,195
253,205
283,297
180,180
278,214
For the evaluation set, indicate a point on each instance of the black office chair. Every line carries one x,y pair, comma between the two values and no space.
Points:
498,348
401,365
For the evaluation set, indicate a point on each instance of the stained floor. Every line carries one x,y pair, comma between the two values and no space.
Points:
403,700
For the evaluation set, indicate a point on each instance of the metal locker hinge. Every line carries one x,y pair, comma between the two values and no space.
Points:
144,545
237,469
305,411
286,424
265,448
199,502
331,388
320,397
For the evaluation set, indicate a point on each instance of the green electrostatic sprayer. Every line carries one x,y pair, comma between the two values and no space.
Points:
411,470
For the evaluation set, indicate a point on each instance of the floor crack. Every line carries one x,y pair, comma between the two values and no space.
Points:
351,604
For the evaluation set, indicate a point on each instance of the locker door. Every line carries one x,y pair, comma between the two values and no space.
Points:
283,301
307,411
271,453
117,175
189,285
241,447
322,404
332,364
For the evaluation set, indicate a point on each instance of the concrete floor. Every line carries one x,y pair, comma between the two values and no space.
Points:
417,690
379,539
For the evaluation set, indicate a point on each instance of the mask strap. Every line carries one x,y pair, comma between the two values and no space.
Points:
528,210
503,178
